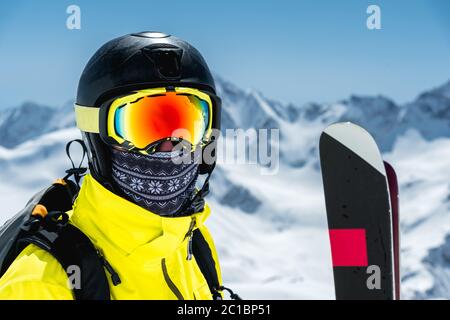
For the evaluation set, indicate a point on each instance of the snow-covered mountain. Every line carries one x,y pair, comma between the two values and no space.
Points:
30,120
271,229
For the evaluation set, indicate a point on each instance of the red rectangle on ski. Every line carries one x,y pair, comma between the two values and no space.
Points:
348,247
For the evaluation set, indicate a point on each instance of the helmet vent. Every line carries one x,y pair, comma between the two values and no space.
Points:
167,60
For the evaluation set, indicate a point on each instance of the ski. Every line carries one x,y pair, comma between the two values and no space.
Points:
359,216
393,192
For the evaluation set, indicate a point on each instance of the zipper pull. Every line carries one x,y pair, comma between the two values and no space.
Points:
189,254
190,235
114,275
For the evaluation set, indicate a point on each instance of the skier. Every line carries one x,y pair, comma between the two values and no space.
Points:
138,207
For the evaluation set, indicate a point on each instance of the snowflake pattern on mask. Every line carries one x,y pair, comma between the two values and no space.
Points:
137,184
173,185
155,187
119,175
186,179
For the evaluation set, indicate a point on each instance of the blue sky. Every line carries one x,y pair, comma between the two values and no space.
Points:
294,51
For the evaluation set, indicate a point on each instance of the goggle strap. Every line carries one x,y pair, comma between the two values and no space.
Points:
87,118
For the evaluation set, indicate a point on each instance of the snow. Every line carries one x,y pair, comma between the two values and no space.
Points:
423,168
31,166
261,262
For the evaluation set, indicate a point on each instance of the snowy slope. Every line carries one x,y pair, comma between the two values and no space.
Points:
424,168
271,230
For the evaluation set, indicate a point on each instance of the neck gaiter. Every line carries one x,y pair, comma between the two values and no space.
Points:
154,181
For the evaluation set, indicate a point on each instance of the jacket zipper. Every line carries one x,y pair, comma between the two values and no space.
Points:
114,275
169,281
189,236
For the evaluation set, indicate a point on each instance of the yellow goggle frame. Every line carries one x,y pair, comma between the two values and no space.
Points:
101,119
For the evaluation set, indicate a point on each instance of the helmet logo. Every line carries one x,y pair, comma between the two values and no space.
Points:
167,61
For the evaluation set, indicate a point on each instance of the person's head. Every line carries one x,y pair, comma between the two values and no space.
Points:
138,97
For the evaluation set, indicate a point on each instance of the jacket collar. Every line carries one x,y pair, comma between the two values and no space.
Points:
109,220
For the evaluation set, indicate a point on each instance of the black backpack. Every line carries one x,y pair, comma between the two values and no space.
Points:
44,223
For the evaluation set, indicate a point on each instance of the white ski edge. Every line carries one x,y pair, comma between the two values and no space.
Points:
362,144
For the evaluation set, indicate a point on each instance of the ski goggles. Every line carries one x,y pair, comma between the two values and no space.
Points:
139,121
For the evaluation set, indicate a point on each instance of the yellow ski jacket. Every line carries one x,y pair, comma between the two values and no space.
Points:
149,252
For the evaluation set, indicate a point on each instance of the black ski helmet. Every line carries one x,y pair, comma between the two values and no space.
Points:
139,61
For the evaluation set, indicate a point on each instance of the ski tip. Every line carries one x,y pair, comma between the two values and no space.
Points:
389,168
359,141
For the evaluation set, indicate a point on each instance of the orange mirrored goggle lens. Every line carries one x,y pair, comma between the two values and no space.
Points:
170,115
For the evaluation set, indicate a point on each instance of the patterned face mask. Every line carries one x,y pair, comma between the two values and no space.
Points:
154,181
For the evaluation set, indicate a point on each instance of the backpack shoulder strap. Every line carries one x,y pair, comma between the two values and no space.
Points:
75,252
205,260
